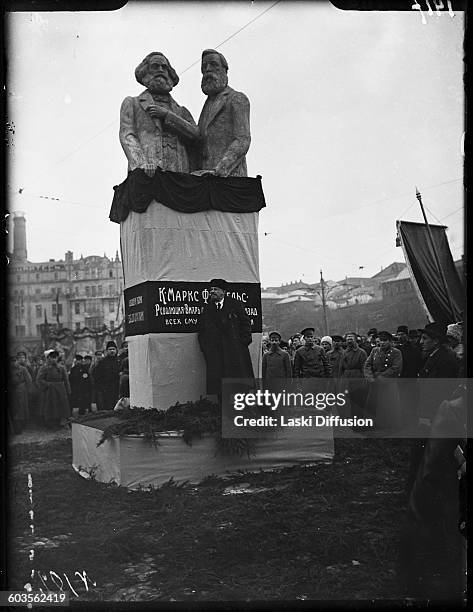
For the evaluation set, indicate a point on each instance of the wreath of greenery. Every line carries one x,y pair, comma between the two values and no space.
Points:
191,420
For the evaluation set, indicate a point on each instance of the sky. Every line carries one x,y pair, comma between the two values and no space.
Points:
350,111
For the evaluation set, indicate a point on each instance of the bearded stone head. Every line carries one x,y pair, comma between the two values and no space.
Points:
214,69
156,73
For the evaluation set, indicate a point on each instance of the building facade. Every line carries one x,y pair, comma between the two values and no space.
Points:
63,294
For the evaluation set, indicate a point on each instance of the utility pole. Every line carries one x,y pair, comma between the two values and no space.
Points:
324,305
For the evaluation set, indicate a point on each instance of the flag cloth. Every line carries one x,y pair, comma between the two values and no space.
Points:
425,274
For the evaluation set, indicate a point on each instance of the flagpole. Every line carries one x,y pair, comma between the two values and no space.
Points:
437,259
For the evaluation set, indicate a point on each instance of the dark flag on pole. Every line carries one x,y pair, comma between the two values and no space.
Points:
440,290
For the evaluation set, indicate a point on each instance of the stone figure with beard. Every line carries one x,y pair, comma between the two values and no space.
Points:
224,122
154,129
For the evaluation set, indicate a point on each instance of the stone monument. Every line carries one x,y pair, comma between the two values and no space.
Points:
188,213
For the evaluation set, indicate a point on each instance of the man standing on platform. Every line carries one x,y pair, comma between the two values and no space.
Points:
106,377
154,129
224,123
224,337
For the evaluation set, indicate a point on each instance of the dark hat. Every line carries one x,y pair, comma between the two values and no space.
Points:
78,357
337,338
110,344
403,329
385,335
307,329
413,333
53,354
21,353
372,332
88,357
275,333
98,353
218,282
435,330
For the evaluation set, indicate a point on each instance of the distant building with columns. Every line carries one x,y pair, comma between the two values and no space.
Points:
74,294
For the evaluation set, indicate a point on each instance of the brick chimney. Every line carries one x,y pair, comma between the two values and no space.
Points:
19,237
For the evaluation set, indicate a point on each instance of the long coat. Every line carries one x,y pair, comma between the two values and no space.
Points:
54,387
224,126
81,387
383,368
224,337
149,142
106,378
20,384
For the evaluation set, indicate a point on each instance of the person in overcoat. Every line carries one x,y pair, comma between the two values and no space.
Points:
382,370
81,386
55,391
20,385
107,377
224,338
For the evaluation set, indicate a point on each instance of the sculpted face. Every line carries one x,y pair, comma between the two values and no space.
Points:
158,80
214,75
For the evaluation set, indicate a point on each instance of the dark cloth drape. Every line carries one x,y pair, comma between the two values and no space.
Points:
418,250
186,193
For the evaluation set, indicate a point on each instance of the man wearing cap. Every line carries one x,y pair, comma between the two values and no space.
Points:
440,360
370,343
81,388
382,370
224,337
276,362
55,391
335,355
408,388
106,377
310,360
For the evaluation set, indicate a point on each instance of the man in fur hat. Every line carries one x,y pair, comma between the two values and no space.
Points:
224,337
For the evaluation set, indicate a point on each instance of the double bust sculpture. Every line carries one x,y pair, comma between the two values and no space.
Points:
155,131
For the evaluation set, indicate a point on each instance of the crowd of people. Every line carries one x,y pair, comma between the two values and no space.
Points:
45,392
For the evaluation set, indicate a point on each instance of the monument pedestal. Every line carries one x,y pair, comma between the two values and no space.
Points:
168,258
133,462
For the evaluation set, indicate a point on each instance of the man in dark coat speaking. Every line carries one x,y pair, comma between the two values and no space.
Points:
224,337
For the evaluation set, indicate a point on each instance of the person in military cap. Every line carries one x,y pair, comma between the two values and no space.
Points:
335,355
384,363
55,391
106,378
276,362
81,386
224,337
310,360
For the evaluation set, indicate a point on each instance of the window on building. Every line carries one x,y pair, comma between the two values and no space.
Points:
37,291
78,326
94,291
112,324
39,311
56,275
110,273
111,306
77,307
110,290
100,289
20,330
18,278
57,309
76,290
37,277
17,312
38,329
87,291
